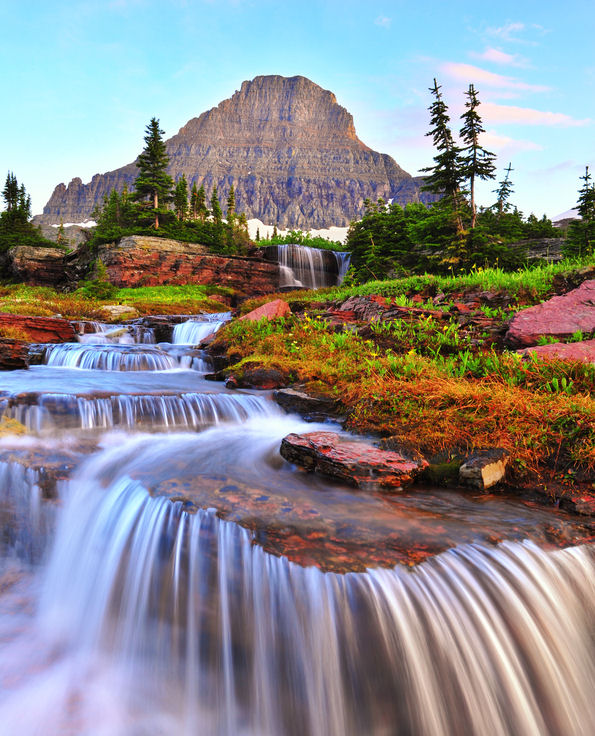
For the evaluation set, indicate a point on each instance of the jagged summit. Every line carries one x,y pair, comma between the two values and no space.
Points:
290,150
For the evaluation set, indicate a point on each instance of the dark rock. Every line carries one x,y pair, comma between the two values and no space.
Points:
40,329
312,408
289,149
353,461
258,377
484,469
14,354
560,316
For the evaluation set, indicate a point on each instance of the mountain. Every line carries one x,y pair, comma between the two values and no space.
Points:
287,146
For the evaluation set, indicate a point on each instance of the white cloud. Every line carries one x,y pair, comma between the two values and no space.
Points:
508,32
383,21
495,56
470,73
503,144
494,113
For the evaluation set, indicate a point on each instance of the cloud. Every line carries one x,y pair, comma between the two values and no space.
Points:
468,72
383,21
496,56
494,113
511,32
503,144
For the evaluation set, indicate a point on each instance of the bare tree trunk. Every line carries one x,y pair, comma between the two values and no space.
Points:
156,205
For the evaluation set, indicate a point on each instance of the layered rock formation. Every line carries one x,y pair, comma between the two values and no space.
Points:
289,149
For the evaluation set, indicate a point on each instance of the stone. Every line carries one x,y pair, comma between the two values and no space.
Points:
560,316
484,469
289,148
258,377
312,408
39,329
46,266
270,310
140,260
583,352
116,312
356,462
14,354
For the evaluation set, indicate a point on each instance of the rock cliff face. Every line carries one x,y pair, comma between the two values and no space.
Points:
289,149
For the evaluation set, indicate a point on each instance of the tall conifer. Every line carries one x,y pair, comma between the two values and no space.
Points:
153,182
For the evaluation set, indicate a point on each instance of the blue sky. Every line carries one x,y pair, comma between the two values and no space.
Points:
82,79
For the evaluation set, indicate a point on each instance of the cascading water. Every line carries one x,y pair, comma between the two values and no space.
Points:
312,268
102,333
193,332
162,612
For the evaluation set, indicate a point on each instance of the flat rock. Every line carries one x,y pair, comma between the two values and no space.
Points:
270,310
40,329
561,316
356,462
583,352
484,469
312,408
119,311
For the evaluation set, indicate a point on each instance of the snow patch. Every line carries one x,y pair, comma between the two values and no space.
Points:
330,233
85,223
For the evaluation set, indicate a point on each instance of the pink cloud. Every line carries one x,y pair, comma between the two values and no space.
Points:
494,113
469,73
496,56
503,144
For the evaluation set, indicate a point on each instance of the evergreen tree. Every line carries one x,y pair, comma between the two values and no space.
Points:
181,198
581,233
10,193
201,204
446,175
153,182
476,161
257,234
231,205
216,207
586,197
194,202
503,192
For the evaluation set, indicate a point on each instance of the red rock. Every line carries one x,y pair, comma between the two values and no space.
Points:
14,354
584,352
560,317
270,310
40,329
356,462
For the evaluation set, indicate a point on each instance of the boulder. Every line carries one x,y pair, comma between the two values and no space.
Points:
14,354
270,310
583,352
117,312
39,329
258,377
312,408
560,316
356,462
484,469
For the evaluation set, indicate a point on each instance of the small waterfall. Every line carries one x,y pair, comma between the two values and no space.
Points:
109,358
193,332
46,413
311,268
93,333
221,638
26,519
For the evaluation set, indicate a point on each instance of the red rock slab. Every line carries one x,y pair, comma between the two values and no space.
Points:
560,316
583,352
14,354
40,329
270,310
358,463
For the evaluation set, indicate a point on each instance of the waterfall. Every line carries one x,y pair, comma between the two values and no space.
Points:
216,637
102,333
312,268
193,332
46,413
109,357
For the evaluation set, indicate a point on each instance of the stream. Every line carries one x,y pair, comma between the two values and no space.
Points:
164,572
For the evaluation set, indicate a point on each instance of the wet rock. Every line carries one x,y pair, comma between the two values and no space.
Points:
560,316
39,329
270,310
312,408
583,352
258,377
14,354
484,469
356,462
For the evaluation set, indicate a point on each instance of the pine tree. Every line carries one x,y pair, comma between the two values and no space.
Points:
503,192
153,182
10,193
257,234
231,205
476,161
194,202
586,198
216,207
446,175
181,198
581,233
201,204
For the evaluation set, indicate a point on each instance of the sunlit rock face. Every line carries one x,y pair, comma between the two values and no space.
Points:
287,146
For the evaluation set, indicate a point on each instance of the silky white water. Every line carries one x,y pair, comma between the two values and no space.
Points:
302,266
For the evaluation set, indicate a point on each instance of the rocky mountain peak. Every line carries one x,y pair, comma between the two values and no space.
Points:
287,146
